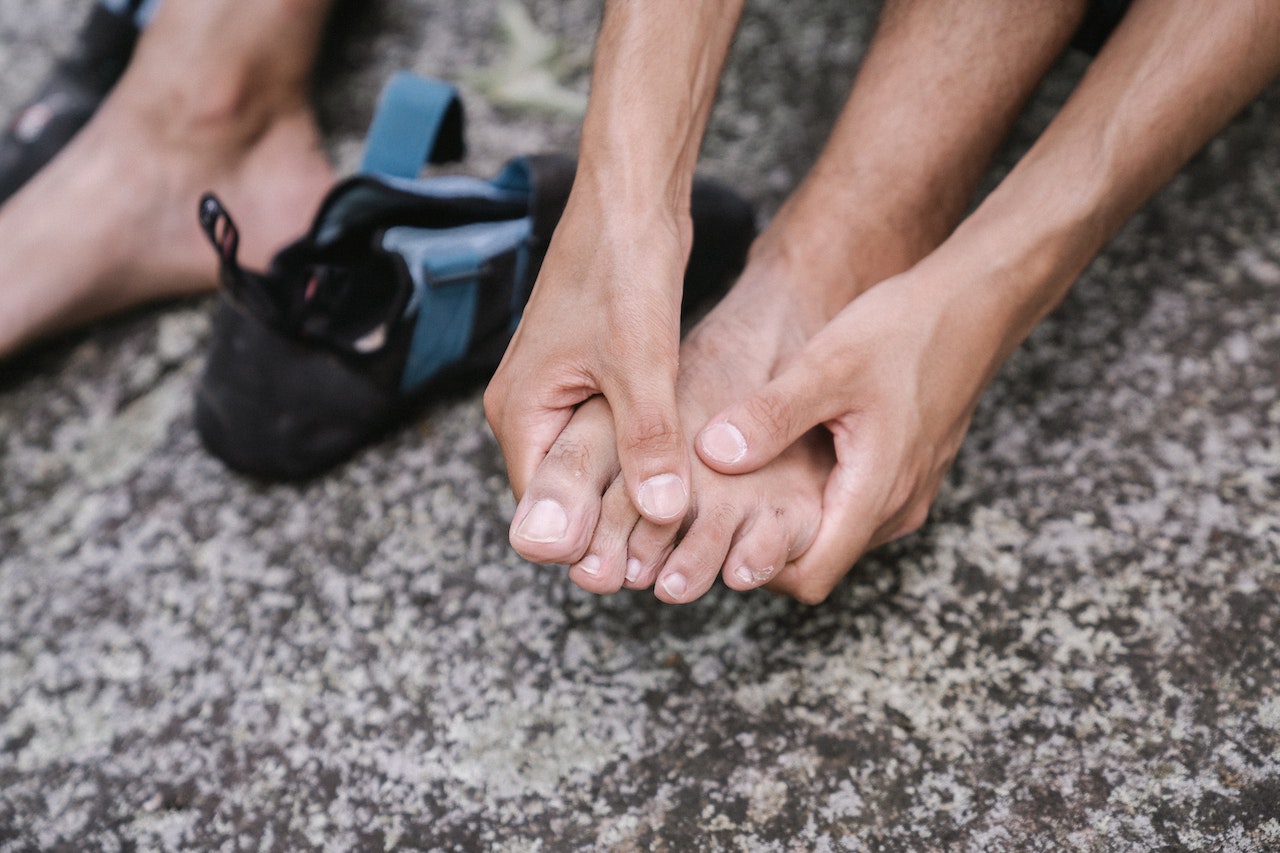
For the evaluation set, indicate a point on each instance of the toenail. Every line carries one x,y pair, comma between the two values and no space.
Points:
546,522
724,443
634,569
675,585
662,497
590,564
747,575
744,575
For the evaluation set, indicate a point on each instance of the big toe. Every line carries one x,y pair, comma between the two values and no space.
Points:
557,516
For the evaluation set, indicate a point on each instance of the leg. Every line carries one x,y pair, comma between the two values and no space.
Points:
895,377
215,97
939,87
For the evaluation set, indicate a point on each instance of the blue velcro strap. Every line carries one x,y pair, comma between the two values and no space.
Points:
144,12
515,176
447,266
140,10
444,333
407,125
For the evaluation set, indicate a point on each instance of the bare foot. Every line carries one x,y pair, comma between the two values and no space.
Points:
577,511
111,221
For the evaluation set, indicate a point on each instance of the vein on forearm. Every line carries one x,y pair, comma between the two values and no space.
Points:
656,70
1171,76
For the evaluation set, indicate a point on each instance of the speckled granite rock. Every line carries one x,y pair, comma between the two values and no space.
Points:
1078,652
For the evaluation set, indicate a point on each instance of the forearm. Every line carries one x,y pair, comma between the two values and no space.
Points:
1171,76
656,70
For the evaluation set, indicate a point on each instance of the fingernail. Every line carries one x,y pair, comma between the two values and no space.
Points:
724,443
675,585
634,568
590,564
662,497
744,575
546,522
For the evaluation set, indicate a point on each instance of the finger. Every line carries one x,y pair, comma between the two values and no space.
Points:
754,431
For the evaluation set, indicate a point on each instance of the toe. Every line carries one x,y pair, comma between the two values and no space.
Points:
557,516
648,548
694,564
758,553
603,569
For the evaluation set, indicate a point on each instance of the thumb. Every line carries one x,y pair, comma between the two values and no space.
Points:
754,431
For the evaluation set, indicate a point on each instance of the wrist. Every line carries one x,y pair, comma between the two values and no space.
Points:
615,185
1026,244
616,243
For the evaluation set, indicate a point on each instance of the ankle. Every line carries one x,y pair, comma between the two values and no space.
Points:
187,83
834,247
223,108
817,260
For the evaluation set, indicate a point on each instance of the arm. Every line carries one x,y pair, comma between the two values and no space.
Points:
897,374
604,315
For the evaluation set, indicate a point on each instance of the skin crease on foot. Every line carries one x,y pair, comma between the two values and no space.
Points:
111,221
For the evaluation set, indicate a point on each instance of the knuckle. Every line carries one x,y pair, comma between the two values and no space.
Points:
616,504
650,429
570,458
494,398
900,498
702,560
813,594
650,545
716,521
914,520
920,490
771,412
720,519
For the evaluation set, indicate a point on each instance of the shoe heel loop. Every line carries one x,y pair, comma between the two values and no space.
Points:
418,120
221,231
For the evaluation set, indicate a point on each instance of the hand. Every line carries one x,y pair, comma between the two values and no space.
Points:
894,377
603,318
